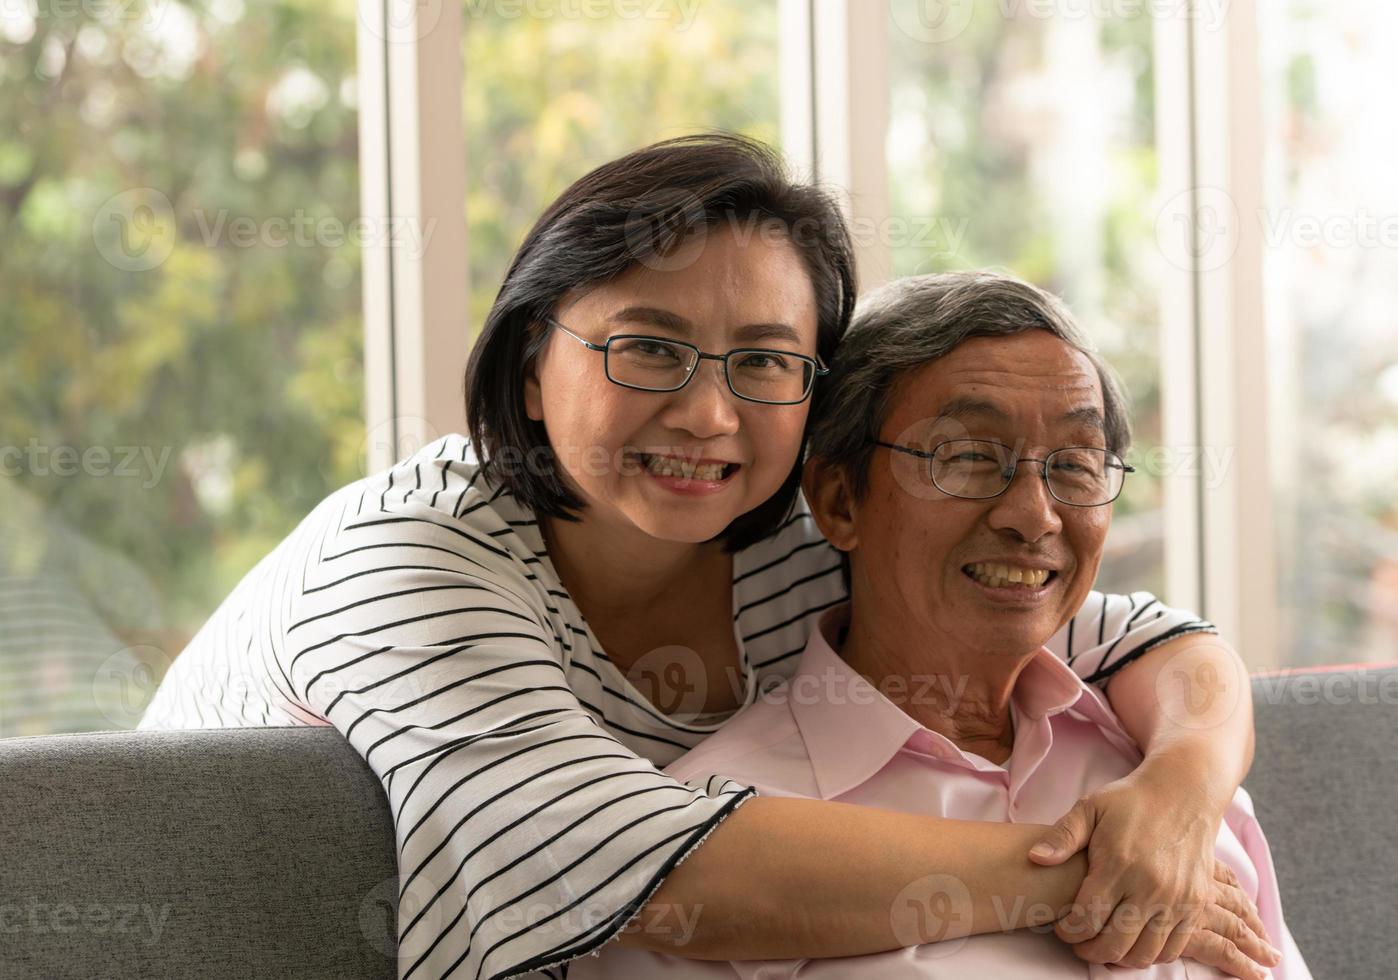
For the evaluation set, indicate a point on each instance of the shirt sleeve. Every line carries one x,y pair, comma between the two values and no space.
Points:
1110,631
526,834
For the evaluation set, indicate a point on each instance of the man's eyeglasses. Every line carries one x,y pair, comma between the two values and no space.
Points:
975,469
757,374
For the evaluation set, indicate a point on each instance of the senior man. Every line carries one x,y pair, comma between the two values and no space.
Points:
966,468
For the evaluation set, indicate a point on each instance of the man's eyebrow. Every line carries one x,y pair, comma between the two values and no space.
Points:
1085,415
747,334
964,409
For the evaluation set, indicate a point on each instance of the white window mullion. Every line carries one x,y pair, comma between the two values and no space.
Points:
1179,380
795,52
413,173
848,62
1218,507
1237,544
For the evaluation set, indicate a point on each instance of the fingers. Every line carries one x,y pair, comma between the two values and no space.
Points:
1237,901
1211,949
1228,943
1090,912
1234,916
1132,937
1066,837
1179,939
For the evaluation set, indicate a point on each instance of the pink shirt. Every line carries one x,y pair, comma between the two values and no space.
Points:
827,733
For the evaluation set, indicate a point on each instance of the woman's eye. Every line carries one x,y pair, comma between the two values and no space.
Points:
765,362
650,348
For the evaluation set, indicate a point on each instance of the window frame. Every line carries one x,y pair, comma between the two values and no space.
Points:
1219,545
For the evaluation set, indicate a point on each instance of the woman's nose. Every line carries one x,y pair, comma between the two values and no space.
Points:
705,406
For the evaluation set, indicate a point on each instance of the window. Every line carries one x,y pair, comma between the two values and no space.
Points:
180,339
1330,226
550,95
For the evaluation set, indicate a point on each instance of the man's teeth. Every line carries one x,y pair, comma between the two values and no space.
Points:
668,466
999,575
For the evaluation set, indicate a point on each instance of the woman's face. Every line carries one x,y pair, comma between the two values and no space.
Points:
719,291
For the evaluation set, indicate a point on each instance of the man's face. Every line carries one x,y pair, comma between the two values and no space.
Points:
930,558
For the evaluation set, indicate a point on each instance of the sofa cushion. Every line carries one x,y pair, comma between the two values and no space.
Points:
1325,785
211,853
269,852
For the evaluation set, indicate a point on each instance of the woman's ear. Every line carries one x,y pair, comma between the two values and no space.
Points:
832,504
533,391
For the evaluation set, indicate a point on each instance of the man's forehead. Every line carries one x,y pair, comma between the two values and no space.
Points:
994,380
1032,354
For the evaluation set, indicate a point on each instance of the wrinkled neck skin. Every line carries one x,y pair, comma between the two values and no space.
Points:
959,692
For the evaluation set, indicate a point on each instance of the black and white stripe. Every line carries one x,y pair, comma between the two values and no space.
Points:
417,612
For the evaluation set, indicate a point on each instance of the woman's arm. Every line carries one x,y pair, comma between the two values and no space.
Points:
1188,705
783,878
797,878
1150,836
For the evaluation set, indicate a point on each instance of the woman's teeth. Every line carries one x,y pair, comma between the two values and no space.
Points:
668,466
998,575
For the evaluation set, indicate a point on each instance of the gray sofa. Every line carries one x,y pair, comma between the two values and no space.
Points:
260,853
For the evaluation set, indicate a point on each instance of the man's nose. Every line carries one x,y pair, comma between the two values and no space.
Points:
1026,507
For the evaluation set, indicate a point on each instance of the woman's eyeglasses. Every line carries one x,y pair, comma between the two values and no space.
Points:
757,374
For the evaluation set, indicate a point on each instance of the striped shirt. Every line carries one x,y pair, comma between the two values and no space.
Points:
418,612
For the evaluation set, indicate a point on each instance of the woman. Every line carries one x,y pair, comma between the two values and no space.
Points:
517,630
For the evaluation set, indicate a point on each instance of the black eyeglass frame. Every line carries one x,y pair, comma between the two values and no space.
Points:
820,370
1014,468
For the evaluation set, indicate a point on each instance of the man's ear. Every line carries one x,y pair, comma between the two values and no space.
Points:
832,504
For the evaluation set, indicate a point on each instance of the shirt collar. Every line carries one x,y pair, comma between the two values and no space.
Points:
851,730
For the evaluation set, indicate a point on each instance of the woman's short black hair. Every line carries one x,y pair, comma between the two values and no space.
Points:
635,209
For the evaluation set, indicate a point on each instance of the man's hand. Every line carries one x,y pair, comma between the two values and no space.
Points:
1154,891
1231,936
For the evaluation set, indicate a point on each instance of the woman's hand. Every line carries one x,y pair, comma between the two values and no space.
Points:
1154,891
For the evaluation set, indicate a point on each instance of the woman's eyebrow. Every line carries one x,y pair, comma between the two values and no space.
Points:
748,333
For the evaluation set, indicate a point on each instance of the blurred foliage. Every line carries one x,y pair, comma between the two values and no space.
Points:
1027,143
548,98
178,192
237,355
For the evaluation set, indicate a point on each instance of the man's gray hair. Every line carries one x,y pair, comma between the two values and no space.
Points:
909,322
